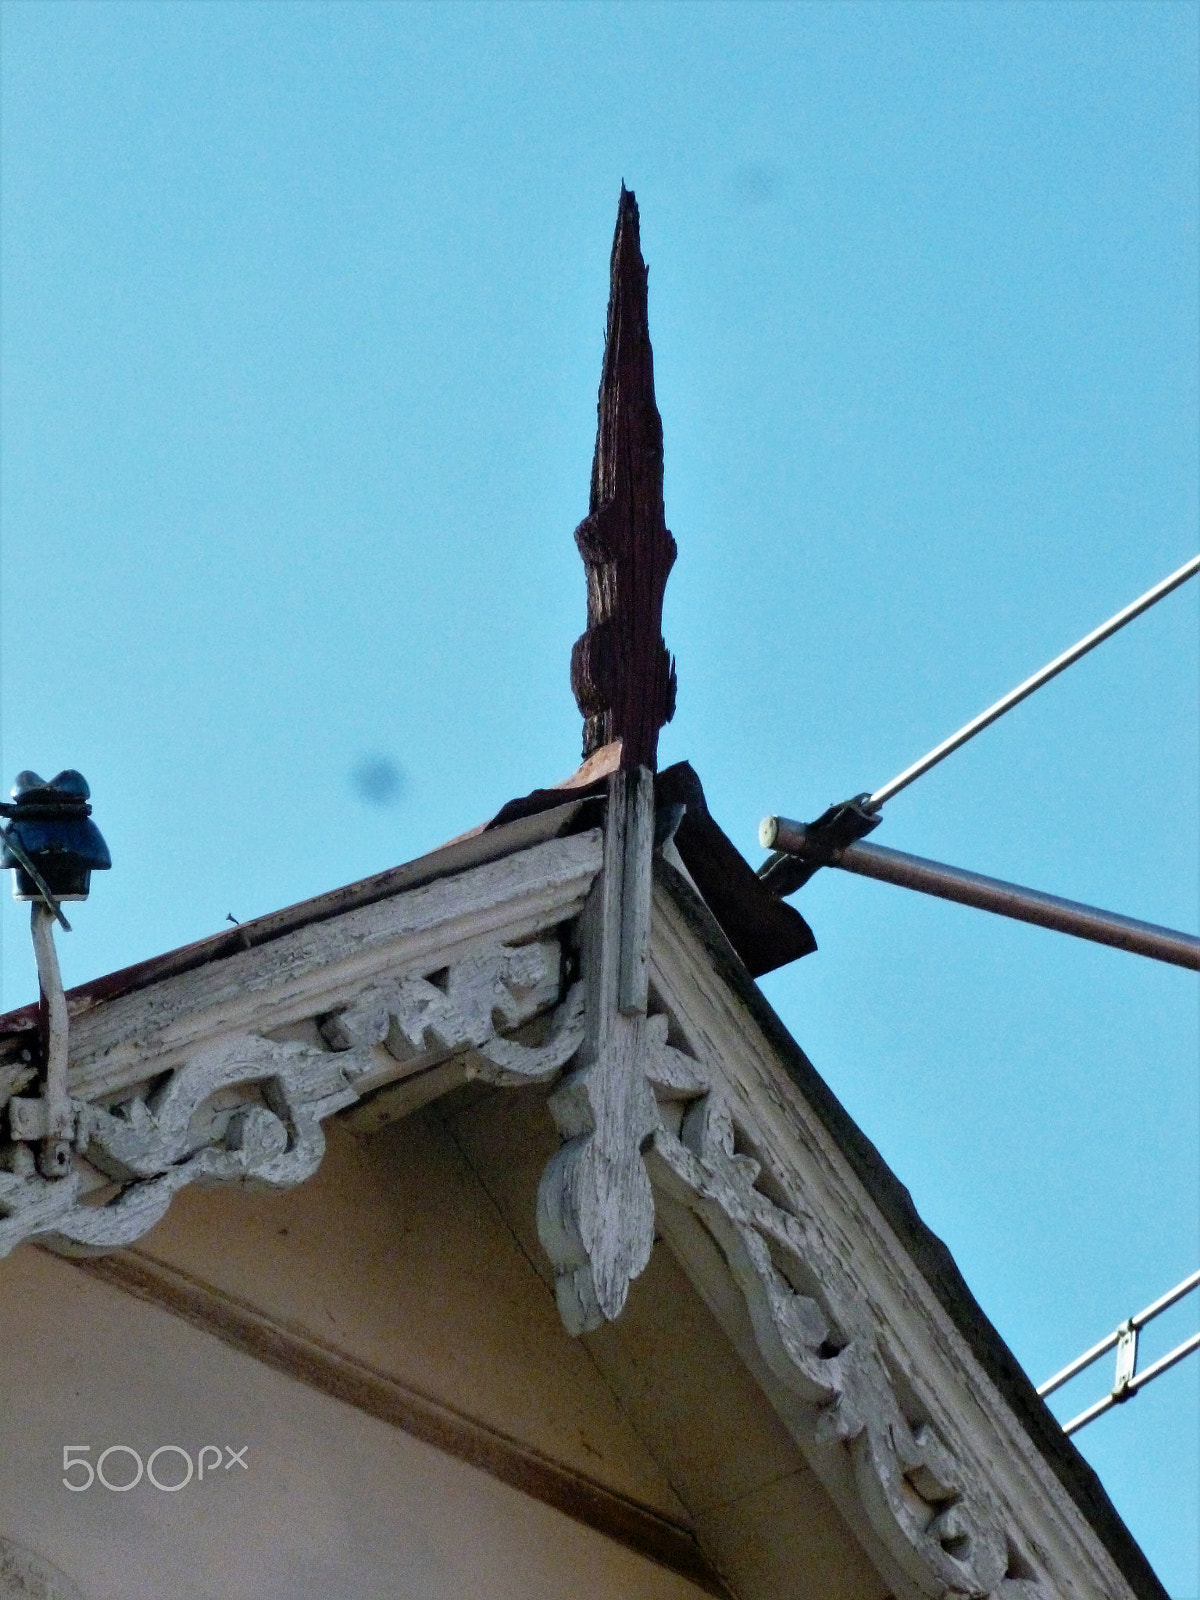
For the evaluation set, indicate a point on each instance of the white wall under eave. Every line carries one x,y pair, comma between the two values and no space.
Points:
334,1505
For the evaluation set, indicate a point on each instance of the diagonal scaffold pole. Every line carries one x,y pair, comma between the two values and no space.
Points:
988,894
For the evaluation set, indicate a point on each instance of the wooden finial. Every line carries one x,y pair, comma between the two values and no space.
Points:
621,673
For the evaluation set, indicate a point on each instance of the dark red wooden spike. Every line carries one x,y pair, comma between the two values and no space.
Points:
621,674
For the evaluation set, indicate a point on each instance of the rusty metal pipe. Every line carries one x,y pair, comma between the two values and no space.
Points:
993,894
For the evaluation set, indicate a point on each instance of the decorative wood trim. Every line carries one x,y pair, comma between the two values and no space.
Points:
301,1356
245,1109
595,1211
181,1082
810,1278
312,969
930,1510
788,1218
524,831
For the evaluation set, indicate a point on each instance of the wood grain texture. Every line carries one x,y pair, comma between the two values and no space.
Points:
865,1367
245,1109
499,838
908,1415
931,1511
595,1209
621,674
687,1394
315,968
636,889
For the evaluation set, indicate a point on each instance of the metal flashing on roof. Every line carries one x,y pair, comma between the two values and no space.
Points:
765,931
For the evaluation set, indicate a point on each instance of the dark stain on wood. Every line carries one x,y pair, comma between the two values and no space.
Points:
621,674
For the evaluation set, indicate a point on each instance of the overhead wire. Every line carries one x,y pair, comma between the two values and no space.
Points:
834,838
1023,690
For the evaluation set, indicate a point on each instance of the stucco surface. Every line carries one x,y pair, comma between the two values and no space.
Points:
395,1253
333,1505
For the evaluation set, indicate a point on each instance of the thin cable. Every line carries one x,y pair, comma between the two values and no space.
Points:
1138,1320
14,844
1059,664
1164,1364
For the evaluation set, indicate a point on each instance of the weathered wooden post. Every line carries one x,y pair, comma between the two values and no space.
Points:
622,676
595,1209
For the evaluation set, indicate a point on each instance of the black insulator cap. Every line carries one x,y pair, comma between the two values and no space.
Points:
51,821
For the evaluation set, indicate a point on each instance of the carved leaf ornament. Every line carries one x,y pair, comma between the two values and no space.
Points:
248,1109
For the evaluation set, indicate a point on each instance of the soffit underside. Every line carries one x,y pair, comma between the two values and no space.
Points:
439,1285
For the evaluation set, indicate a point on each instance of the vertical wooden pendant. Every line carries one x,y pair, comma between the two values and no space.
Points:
595,1208
621,674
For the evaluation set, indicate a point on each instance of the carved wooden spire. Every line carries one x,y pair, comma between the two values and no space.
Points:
621,673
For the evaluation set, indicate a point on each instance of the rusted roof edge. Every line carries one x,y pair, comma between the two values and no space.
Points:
765,931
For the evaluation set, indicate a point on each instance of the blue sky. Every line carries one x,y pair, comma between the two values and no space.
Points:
302,320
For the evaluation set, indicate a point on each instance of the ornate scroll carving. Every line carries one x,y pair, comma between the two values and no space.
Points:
817,1337
419,1021
595,1208
248,1110
197,1128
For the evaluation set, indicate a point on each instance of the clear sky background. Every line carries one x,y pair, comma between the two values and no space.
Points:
303,309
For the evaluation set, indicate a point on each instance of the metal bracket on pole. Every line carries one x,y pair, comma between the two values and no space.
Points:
1127,1352
1127,1380
831,841
792,866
